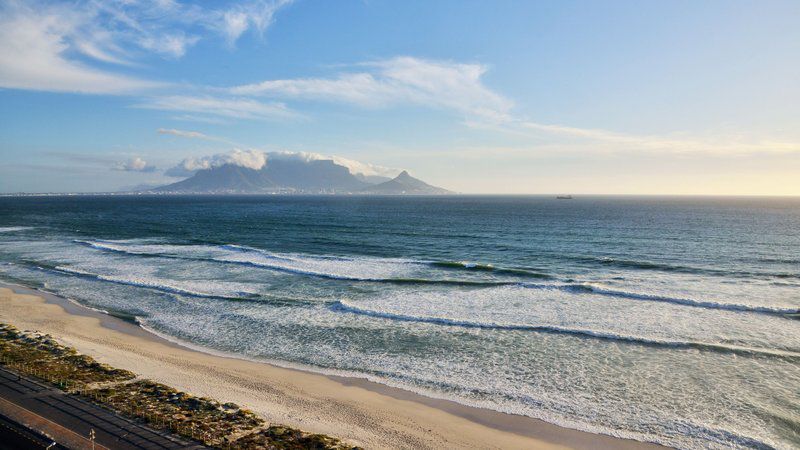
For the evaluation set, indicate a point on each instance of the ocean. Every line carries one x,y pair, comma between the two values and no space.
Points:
662,319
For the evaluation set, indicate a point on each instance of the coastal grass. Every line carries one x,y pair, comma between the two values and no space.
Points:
215,424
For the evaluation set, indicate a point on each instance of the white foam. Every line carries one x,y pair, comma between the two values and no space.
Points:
506,369
12,229
487,379
499,406
195,288
557,310
348,268
362,268
713,304
602,334
493,374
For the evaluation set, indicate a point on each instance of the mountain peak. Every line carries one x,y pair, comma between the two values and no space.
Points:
405,184
295,176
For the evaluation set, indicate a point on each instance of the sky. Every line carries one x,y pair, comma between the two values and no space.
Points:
522,97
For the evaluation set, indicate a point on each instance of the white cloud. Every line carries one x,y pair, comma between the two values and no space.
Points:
396,81
172,45
100,46
192,135
186,134
355,167
234,24
257,159
200,119
164,26
49,46
362,168
238,107
185,168
135,165
253,15
252,159
33,44
459,87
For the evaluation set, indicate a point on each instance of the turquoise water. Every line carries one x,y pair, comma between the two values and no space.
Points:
668,320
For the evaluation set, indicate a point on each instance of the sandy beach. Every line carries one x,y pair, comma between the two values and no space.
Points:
355,410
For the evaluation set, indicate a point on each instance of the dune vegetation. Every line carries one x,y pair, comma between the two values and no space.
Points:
215,424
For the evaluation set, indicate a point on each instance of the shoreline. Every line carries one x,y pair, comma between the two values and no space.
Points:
356,410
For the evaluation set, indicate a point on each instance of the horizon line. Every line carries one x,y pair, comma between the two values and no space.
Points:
454,194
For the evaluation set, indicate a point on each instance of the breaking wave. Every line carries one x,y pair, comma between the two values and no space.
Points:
345,306
398,271
11,229
392,270
677,268
708,304
466,265
203,289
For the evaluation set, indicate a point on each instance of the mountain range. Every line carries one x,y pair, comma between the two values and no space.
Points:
319,176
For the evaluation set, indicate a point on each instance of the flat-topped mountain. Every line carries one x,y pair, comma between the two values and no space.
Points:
319,176
227,178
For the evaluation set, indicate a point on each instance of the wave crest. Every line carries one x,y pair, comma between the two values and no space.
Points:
160,284
400,271
344,306
708,304
12,229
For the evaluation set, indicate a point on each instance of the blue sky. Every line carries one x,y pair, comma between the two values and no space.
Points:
479,97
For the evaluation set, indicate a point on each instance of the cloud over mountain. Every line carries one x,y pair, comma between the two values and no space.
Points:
255,172
251,159
257,159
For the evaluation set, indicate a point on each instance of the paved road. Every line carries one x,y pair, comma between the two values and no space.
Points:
14,436
79,416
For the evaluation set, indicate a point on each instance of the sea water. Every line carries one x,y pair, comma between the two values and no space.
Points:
669,320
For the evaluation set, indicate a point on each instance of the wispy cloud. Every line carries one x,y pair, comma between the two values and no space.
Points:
610,141
51,46
186,134
193,135
172,45
397,81
33,47
237,107
199,119
254,15
459,87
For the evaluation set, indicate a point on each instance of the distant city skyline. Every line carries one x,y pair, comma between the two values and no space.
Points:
477,97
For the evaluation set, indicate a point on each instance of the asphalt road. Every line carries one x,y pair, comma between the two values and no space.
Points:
14,436
77,415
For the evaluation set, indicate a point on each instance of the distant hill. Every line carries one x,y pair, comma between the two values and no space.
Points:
144,187
229,178
295,176
404,184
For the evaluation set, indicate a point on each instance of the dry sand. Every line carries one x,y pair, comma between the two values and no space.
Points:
355,410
